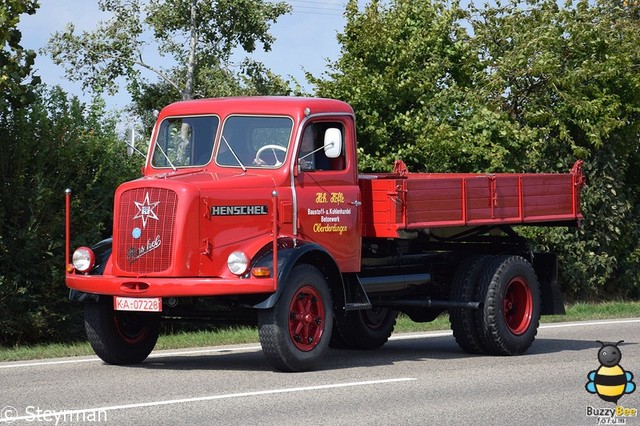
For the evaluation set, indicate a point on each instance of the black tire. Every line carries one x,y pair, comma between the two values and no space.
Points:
295,333
120,337
463,289
337,342
510,293
366,329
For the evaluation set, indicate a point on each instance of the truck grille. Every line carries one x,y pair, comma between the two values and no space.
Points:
144,229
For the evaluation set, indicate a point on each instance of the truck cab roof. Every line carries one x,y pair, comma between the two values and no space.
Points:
268,105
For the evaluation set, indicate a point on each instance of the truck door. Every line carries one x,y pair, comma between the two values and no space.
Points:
327,192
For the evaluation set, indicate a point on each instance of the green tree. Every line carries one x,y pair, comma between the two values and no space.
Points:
198,36
513,86
54,144
404,67
15,62
254,80
567,78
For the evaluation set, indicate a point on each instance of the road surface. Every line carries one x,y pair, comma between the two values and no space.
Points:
413,380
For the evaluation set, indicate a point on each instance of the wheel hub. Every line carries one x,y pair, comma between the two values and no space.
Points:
518,306
306,318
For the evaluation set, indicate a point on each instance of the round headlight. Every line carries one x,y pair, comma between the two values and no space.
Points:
83,259
238,263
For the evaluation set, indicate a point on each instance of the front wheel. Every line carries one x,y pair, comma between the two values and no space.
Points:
295,333
510,293
120,337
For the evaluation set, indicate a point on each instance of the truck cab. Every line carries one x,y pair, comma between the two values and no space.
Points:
225,182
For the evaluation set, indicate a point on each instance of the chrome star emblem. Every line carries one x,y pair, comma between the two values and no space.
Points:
145,210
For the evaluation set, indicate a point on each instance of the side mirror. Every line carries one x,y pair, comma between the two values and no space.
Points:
333,143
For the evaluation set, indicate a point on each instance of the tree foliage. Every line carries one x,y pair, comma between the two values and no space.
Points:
511,86
399,67
197,36
255,79
54,144
15,61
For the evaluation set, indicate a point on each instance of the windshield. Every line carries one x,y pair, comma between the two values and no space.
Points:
185,141
250,141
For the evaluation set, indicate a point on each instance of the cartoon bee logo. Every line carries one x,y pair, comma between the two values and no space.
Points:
610,381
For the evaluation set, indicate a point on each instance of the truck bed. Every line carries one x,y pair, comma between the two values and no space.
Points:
393,202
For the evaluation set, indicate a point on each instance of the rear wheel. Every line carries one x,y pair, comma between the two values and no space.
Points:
295,333
463,289
120,337
508,322
366,329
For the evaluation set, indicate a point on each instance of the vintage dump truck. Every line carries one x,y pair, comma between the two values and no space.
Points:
252,210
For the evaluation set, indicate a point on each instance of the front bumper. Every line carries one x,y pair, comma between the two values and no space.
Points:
168,286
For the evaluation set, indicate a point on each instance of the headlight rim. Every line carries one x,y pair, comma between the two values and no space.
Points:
238,263
88,256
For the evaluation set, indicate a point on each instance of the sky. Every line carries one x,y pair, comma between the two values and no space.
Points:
305,39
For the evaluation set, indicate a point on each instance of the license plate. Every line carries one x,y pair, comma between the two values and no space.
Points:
138,304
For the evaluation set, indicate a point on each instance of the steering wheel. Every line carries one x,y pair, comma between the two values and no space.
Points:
273,149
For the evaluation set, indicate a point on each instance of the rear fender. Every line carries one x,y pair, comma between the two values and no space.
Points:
290,255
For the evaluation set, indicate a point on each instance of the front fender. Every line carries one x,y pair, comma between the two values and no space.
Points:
102,251
290,255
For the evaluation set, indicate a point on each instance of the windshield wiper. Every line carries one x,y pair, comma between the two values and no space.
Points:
166,157
244,169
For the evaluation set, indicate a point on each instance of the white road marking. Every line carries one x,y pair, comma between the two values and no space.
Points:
152,356
36,364
430,334
403,336
74,413
586,324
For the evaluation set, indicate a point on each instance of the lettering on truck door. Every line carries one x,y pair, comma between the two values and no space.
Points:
328,196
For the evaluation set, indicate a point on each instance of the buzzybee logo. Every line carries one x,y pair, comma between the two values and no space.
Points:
610,382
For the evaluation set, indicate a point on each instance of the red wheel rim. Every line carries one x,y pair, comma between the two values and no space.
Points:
518,306
306,318
131,329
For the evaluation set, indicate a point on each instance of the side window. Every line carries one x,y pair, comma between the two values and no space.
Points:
311,156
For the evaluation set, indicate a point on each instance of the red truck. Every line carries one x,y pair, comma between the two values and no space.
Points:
251,210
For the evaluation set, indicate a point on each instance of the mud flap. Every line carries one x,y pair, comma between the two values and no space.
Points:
546,267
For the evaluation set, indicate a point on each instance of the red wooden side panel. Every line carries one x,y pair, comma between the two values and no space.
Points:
431,201
547,197
381,207
392,202
494,197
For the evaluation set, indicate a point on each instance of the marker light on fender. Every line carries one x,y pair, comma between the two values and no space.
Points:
261,272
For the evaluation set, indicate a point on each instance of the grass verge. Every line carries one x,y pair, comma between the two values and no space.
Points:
238,335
